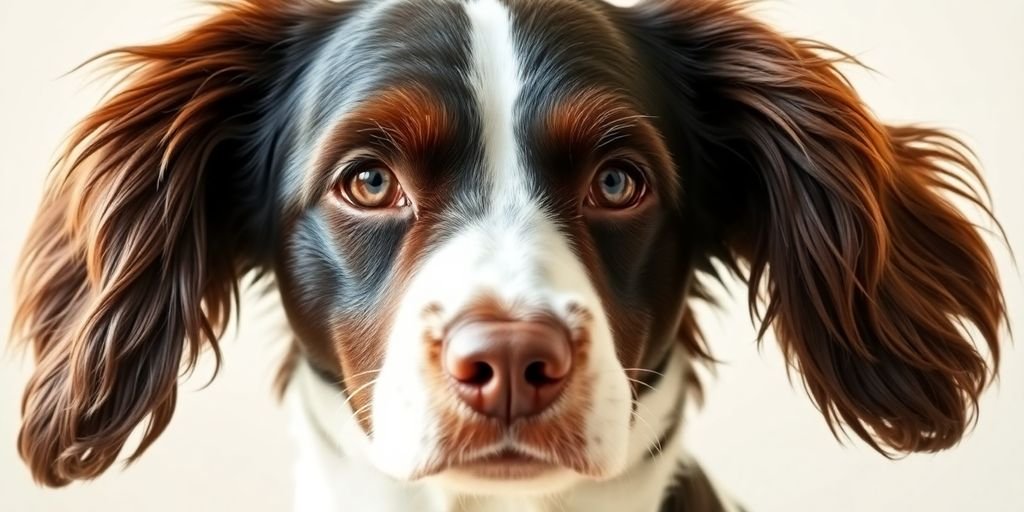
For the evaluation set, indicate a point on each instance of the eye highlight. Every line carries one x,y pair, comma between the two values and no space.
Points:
371,184
618,185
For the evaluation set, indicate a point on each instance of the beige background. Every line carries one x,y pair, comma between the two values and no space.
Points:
955,63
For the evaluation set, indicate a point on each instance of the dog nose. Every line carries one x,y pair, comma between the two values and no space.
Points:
508,370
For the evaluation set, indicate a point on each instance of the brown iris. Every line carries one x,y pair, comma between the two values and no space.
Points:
617,185
371,185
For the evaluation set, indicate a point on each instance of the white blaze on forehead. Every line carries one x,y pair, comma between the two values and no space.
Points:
514,252
496,81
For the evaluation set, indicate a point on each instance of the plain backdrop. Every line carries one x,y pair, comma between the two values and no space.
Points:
953,63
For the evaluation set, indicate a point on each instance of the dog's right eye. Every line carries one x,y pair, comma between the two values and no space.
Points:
618,185
371,185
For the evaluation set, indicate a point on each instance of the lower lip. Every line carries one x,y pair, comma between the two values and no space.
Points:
507,466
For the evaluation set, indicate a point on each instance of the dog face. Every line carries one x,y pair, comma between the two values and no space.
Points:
485,219
458,192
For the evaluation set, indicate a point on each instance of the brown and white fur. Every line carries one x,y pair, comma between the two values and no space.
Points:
400,169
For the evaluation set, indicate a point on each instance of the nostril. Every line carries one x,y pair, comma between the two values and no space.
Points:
537,374
482,374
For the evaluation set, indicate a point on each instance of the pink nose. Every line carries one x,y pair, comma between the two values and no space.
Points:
508,370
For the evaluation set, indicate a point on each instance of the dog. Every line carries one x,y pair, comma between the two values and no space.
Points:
486,221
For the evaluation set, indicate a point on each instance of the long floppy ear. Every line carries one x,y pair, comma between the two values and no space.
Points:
132,264
873,280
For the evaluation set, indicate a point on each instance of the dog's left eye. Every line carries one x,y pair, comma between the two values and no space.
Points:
371,185
617,185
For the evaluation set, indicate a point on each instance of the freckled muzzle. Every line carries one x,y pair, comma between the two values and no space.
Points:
510,384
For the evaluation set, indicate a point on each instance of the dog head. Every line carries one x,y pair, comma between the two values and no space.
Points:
485,220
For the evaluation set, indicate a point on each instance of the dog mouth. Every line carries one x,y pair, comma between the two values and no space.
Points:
510,462
506,465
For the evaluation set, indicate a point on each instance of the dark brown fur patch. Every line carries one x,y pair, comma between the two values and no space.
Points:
129,272
691,491
868,272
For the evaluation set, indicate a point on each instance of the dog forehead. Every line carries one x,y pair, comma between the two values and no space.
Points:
558,45
492,65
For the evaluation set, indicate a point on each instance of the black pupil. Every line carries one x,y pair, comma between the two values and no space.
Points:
374,180
613,182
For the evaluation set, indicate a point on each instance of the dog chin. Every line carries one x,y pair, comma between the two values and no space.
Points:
510,481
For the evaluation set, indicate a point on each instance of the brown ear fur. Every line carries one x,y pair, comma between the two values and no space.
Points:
129,270
873,278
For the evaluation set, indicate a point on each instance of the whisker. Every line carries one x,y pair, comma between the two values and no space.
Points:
644,370
642,383
362,409
657,441
360,374
356,392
